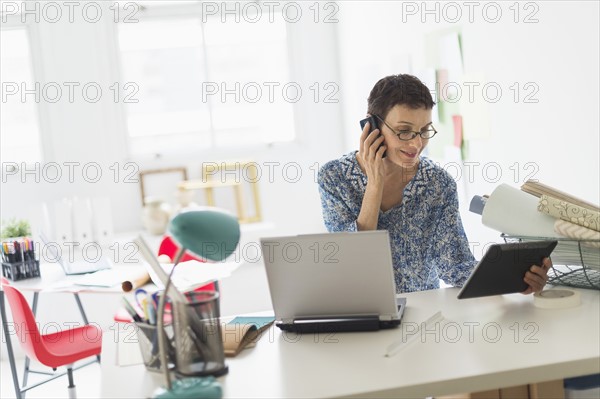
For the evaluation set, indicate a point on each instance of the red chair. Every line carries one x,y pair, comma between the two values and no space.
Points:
170,248
54,350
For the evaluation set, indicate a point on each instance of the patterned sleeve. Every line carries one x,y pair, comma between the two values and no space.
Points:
336,212
455,260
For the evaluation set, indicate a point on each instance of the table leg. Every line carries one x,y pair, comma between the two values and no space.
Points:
81,310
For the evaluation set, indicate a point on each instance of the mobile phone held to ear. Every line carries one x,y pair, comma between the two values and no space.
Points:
372,126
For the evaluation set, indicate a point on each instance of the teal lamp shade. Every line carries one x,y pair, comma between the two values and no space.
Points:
208,232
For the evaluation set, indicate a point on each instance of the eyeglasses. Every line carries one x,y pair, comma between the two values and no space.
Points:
406,135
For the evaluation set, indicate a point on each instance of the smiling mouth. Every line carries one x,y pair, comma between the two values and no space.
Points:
409,154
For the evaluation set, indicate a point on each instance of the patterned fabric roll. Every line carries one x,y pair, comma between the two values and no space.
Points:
578,232
569,212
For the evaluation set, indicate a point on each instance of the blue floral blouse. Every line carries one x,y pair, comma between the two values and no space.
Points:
427,237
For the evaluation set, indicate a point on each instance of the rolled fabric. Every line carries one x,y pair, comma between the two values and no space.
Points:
514,212
572,230
569,212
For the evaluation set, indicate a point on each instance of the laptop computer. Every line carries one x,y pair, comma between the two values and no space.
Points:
332,282
74,268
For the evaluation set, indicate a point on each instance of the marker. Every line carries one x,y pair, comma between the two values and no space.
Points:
131,310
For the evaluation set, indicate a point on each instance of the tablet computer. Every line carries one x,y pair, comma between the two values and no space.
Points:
503,267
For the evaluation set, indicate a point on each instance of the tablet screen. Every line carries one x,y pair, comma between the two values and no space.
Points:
503,267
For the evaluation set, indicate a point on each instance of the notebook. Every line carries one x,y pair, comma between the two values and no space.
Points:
73,268
332,282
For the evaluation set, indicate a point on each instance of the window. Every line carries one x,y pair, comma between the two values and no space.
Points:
202,83
19,125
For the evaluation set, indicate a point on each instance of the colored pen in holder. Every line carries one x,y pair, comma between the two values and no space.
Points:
19,260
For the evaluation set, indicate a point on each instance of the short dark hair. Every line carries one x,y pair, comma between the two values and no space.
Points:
395,90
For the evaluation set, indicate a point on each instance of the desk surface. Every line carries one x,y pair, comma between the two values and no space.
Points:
487,343
53,279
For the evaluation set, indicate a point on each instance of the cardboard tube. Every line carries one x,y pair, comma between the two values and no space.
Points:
135,282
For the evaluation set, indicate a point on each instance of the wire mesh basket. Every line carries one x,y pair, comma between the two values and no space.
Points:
576,263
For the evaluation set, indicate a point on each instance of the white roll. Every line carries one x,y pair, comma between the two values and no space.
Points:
556,299
514,212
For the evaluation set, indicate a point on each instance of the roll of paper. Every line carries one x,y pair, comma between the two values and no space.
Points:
556,299
568,212
135,281
514,212
578,232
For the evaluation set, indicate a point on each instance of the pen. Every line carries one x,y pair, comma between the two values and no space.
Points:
395,347
151,313
144,305
131,310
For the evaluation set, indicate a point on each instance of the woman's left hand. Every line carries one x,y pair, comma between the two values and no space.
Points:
537,276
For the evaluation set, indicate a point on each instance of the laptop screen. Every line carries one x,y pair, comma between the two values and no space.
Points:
331,274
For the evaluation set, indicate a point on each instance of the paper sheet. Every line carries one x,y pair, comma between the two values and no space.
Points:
514,212
191,274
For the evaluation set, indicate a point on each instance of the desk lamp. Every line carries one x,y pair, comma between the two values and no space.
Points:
212,234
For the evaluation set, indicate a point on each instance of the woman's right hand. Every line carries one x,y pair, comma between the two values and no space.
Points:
371,154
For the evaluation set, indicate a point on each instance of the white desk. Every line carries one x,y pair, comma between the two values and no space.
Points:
504,341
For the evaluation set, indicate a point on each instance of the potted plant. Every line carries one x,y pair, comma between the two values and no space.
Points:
15,228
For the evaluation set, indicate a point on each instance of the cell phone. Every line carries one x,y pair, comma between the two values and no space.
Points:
373,125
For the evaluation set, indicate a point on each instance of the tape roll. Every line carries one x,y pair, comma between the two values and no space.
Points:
556,299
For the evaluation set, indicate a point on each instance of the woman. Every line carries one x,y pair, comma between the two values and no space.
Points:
388,185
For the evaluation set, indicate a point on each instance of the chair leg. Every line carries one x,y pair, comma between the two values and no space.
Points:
27,360
26,374
72,391
11,355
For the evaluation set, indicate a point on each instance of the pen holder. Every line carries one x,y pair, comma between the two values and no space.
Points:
16,271
148,340
198,344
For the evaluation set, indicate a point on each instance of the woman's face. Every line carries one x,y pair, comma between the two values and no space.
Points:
402,118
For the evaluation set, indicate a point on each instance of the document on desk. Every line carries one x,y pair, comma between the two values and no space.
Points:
109,277
191,274
101,278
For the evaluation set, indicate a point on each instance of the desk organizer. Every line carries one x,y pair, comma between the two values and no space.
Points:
198,342
16,271
148,340
576,263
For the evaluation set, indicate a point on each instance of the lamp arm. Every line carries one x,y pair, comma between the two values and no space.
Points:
161,324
